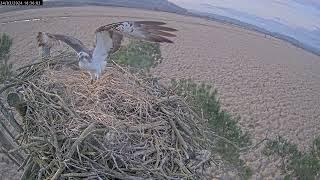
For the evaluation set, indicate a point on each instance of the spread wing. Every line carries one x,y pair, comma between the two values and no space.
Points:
109,37
46,41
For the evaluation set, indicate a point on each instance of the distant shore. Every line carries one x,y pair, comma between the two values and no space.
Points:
231,21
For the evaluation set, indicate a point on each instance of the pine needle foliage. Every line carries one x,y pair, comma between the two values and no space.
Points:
139,55
295,164
203,99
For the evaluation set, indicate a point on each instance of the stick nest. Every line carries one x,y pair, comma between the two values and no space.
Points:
123,126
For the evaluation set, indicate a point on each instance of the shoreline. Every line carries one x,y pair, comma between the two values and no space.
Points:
251,27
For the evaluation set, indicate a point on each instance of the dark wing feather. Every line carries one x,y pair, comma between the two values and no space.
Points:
144,30
46,41
153,23
116,41
109,37
161,33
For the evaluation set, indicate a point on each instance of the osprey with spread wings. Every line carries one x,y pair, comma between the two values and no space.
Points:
108,41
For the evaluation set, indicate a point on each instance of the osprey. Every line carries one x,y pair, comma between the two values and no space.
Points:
107,41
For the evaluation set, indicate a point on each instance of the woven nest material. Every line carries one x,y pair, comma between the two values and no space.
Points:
123,126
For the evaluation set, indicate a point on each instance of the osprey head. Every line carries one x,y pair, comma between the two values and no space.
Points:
84,57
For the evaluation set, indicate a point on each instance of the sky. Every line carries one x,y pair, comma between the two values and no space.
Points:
295,13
